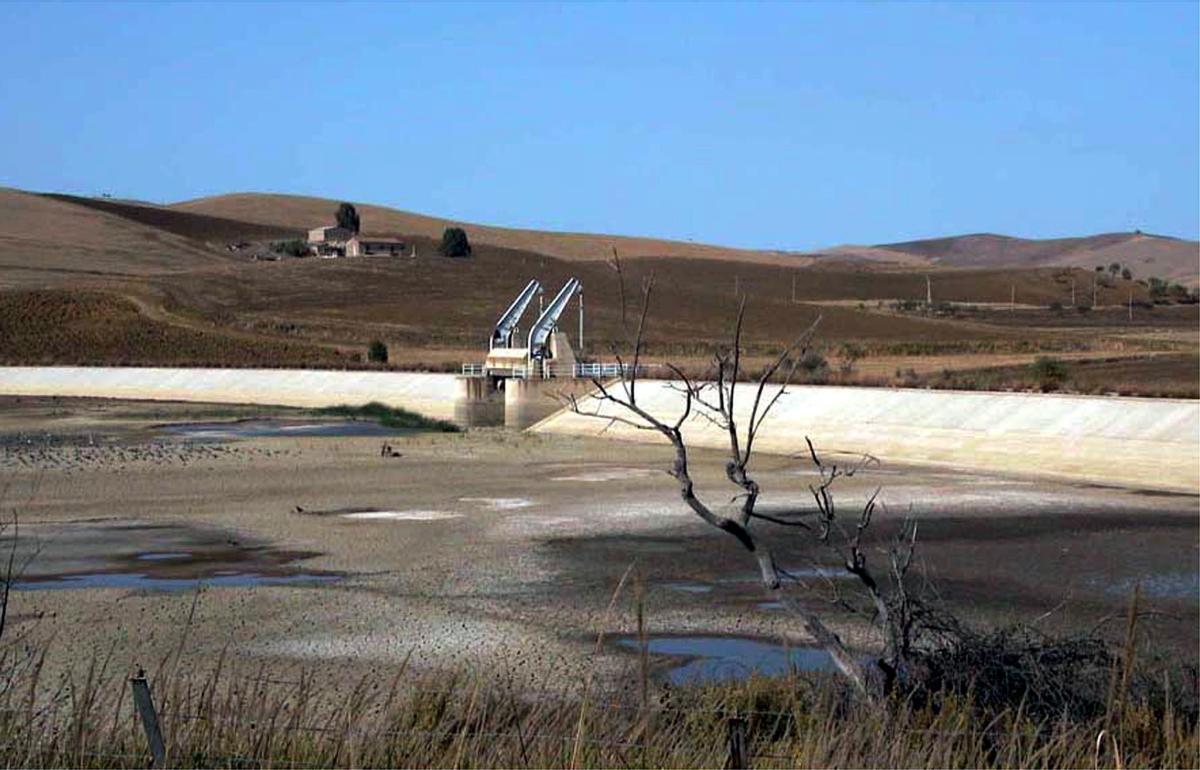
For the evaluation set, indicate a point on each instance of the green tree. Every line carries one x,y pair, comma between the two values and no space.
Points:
377,352
455,243
1114,268
1127,274
347,217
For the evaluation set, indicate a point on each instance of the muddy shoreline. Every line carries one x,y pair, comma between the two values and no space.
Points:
313,550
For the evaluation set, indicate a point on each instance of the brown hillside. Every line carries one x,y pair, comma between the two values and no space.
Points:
438,303
39,235
1146,255
296,211
216,230
68,327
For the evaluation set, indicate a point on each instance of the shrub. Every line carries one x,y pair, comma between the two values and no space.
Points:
378,352
389,417
849,353
455,243
292,248
1056,307
1049,372
1127,274
814,366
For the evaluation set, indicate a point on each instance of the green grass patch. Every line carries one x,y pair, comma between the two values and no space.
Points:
389,416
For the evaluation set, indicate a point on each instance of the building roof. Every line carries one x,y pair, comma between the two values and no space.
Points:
376,239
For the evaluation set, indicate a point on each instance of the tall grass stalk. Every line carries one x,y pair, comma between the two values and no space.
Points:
219,718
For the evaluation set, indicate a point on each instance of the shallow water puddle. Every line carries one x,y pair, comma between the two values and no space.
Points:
608,474
713,659
139,555
401,515
1160,585
163,556
688,587
499,503
228,431
141,581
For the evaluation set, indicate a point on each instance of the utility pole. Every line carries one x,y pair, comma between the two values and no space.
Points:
581,322
1072,291
1131,304
793,288
737,292
1094,295
1012,300
928,292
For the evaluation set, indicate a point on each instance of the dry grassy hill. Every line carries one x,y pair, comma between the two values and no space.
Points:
1145,255
42,239
98,328
216,231
155,284
302,212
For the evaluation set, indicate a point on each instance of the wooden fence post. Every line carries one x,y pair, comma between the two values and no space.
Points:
739,752
149,717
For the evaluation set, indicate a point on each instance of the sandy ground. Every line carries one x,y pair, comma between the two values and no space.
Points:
498,551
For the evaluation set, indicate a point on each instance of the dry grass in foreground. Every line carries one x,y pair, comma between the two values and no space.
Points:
223,719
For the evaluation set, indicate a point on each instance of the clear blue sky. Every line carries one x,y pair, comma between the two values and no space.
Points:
781,126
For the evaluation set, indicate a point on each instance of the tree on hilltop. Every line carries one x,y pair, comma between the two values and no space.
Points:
455,243
347,217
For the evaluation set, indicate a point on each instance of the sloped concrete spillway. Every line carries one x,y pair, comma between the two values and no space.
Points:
465,400
432,395
1136,442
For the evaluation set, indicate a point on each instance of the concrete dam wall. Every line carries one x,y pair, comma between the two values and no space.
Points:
1141,443
433,395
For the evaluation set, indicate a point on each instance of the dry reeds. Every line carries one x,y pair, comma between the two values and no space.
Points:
223,718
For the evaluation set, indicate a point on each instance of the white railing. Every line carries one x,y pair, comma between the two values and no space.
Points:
579,370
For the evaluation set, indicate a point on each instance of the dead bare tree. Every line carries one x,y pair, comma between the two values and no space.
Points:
715,399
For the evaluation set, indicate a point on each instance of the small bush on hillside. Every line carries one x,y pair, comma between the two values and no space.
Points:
848,356
1050,373
455,243
292,248
378,352
813,366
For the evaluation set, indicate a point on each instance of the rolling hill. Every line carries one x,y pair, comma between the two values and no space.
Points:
41,237
86,280
1145,255
296,211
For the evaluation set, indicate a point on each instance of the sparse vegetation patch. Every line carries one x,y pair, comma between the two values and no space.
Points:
389,416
